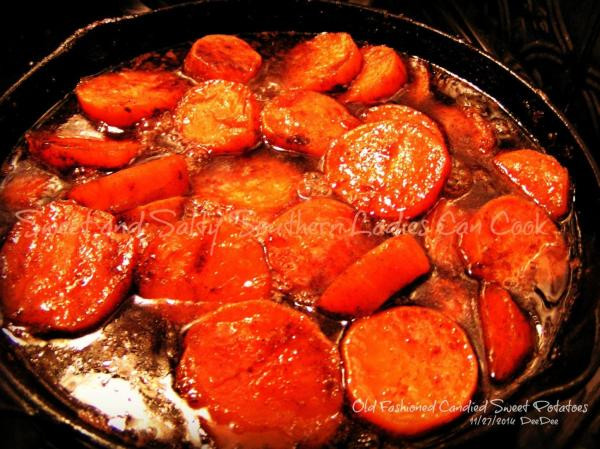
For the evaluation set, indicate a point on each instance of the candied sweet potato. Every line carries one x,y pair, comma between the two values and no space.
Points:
262,183
467,131
540,176
365,285
68,152
383,73
389,169
158,212
412,356
511,241
204,260
306,122
507,334
322,63
284,389
125,97
140,184
221,116
64,268
401,114
310,244
444,226
222,57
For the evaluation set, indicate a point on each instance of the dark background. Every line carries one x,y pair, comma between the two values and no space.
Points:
553,43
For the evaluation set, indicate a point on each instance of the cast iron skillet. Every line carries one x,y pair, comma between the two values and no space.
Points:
109,42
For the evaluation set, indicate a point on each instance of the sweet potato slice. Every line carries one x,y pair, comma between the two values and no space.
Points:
284,389
401,114
507,333
443,228
383,73
466,129
304,121
177,311
202,260
452,296
222,57
322,63
410,356
365,285
310,244
389,169
28,188
64,268
123,98
158,212
511,241
222,116
140,184
417,91
540,176
262,183
68,152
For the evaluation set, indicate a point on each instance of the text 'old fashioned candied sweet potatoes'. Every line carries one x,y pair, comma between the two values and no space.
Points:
136,185
64,268
410,356
123,98
284,389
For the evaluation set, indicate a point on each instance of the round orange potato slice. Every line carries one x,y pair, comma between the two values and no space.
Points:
64,268
222,57
416,365
540,176
513,242
221,116
262,183
204,259
284,389
322,63
383,73
310,244
389,169
306,122
125,97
